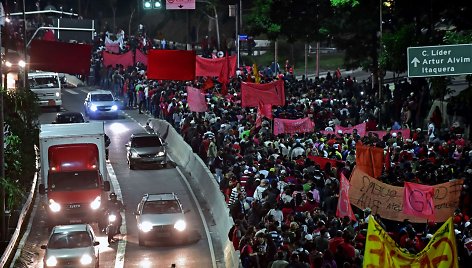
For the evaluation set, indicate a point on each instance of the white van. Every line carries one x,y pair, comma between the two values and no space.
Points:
47,86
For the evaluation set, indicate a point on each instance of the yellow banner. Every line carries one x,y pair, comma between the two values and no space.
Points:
381,250
255,72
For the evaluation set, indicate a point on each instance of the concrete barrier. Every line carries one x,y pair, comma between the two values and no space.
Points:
203,181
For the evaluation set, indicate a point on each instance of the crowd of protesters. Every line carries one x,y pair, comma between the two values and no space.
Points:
282,203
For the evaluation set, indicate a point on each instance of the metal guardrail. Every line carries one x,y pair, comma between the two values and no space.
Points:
7,254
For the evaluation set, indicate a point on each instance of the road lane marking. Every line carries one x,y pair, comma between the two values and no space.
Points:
71,91
121,248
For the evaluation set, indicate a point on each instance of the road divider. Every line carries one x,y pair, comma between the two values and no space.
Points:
202,181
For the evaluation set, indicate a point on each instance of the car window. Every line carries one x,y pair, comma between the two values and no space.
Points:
102,97
138,142
78,239
161,207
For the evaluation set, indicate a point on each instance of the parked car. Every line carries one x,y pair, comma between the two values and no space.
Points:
72,245
146,149
69,117
101,103
160,217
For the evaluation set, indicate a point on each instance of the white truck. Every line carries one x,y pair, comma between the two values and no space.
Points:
74,176
47,86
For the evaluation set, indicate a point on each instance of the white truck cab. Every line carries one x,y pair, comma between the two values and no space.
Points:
47,86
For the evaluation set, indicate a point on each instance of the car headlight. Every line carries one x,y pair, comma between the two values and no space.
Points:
145,226
160,153
112,217
58,94
134,154
53,206
180,225
114,107
86,259
51,261
96,203
93,108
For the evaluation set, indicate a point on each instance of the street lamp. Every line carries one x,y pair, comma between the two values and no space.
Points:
152,4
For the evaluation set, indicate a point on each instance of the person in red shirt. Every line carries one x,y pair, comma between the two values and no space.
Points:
345,251
334,242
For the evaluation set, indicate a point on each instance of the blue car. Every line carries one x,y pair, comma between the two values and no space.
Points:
101,103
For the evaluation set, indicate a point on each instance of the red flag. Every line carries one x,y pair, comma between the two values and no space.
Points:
60,57
215,67
271,93
322,161
265,110
418,200
208,84
141,57
344,206
361,129
196,100
171,65
125,59
293,126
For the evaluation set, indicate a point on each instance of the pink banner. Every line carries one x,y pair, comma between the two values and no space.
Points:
125,59
196,100
344,205
293,126
361,128
141,57
418,200
270,93
322,161
180,4
381,133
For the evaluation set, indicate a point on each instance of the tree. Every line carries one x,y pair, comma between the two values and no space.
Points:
395,44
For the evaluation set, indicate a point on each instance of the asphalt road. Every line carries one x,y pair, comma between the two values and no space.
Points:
130,185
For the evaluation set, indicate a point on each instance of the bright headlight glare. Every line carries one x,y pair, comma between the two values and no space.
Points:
96,203
145,226
112,217
51,261
58,94
180,225
93,108
86,259
53,206
22,63
114,108
160,154
8,64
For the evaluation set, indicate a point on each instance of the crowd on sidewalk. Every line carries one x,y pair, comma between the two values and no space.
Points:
283,204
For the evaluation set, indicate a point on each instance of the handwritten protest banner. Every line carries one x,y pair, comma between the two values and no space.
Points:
415,197
387,200
381,250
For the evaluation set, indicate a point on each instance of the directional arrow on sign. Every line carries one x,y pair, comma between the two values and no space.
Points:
415,61
181,6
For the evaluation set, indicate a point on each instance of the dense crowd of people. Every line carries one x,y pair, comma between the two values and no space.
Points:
283,204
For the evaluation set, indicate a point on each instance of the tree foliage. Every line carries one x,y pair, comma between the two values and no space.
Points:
394,47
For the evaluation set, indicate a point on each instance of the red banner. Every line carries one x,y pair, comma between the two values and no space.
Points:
361,128
215,67
112,60
196,100
141,57
322,161
293,126
60,57
418,200
171,65
270,93
344,205
370,159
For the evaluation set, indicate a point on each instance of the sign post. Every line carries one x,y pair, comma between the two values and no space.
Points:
439,60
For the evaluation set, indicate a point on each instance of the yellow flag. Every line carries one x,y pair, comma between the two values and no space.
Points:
255,72
381,250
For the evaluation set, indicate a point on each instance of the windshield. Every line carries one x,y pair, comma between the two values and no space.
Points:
78,239
101,97
161,207
71,181
145,142
43,82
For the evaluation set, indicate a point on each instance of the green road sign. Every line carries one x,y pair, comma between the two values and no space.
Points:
439,60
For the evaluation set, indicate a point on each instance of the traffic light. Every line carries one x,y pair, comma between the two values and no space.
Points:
152,4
